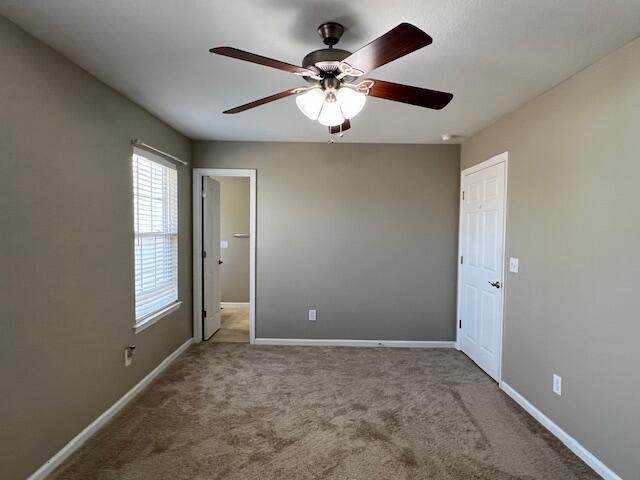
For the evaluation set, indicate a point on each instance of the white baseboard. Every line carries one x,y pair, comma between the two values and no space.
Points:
571,443
234,304
352,343
99,422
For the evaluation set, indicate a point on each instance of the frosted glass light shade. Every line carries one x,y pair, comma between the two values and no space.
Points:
351,101
331,114
310,102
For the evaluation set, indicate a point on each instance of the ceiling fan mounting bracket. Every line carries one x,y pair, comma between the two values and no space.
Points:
330,32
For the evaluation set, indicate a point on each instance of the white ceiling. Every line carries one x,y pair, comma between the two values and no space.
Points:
493,55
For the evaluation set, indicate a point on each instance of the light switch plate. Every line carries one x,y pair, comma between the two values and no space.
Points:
128,357
557,384
513,264
312,315
224,244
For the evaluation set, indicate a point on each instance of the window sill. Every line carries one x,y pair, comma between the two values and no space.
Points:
151,319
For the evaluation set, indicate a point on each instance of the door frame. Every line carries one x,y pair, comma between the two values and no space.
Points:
496,160
198,173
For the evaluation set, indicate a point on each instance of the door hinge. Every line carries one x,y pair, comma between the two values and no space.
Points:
463,194
459,323
204,314
204,254
461,259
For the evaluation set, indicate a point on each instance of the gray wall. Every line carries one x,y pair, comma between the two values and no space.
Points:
366,234
66,278
574,308
234,218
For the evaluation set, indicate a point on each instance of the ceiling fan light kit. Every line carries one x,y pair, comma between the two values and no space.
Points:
337,94
330,106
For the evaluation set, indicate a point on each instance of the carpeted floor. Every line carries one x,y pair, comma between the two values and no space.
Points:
234,411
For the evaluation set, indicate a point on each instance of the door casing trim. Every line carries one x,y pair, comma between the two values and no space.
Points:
198,173
500,158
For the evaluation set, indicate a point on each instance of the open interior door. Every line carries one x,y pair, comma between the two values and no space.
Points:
211,256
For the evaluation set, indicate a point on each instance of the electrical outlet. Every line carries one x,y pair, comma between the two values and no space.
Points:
312,315
513,264
128,355
557,384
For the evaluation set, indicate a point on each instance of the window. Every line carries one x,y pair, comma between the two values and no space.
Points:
155,213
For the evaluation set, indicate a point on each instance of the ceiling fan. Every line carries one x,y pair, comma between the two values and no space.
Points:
337,94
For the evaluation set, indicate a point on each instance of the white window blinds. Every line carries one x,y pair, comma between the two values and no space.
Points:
155,213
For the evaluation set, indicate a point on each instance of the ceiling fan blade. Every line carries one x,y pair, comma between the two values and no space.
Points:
396,43
260,60
262,101
346,125
421,97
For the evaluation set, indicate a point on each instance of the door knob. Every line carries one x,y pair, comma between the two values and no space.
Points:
495,284
220,262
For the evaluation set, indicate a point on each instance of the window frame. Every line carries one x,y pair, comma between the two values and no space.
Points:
143,322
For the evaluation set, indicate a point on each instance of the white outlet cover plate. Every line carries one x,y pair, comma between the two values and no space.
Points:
312,315
513,264
224,244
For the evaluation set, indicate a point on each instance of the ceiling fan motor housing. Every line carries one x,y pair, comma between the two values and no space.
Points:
327,60
325,57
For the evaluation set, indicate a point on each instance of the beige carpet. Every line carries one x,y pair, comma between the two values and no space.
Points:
234,411
234,325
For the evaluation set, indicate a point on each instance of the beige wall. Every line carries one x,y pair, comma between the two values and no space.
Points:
234,218
66,265
365,234
574,308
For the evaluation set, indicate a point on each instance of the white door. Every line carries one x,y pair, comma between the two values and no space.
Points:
211,256
482,260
